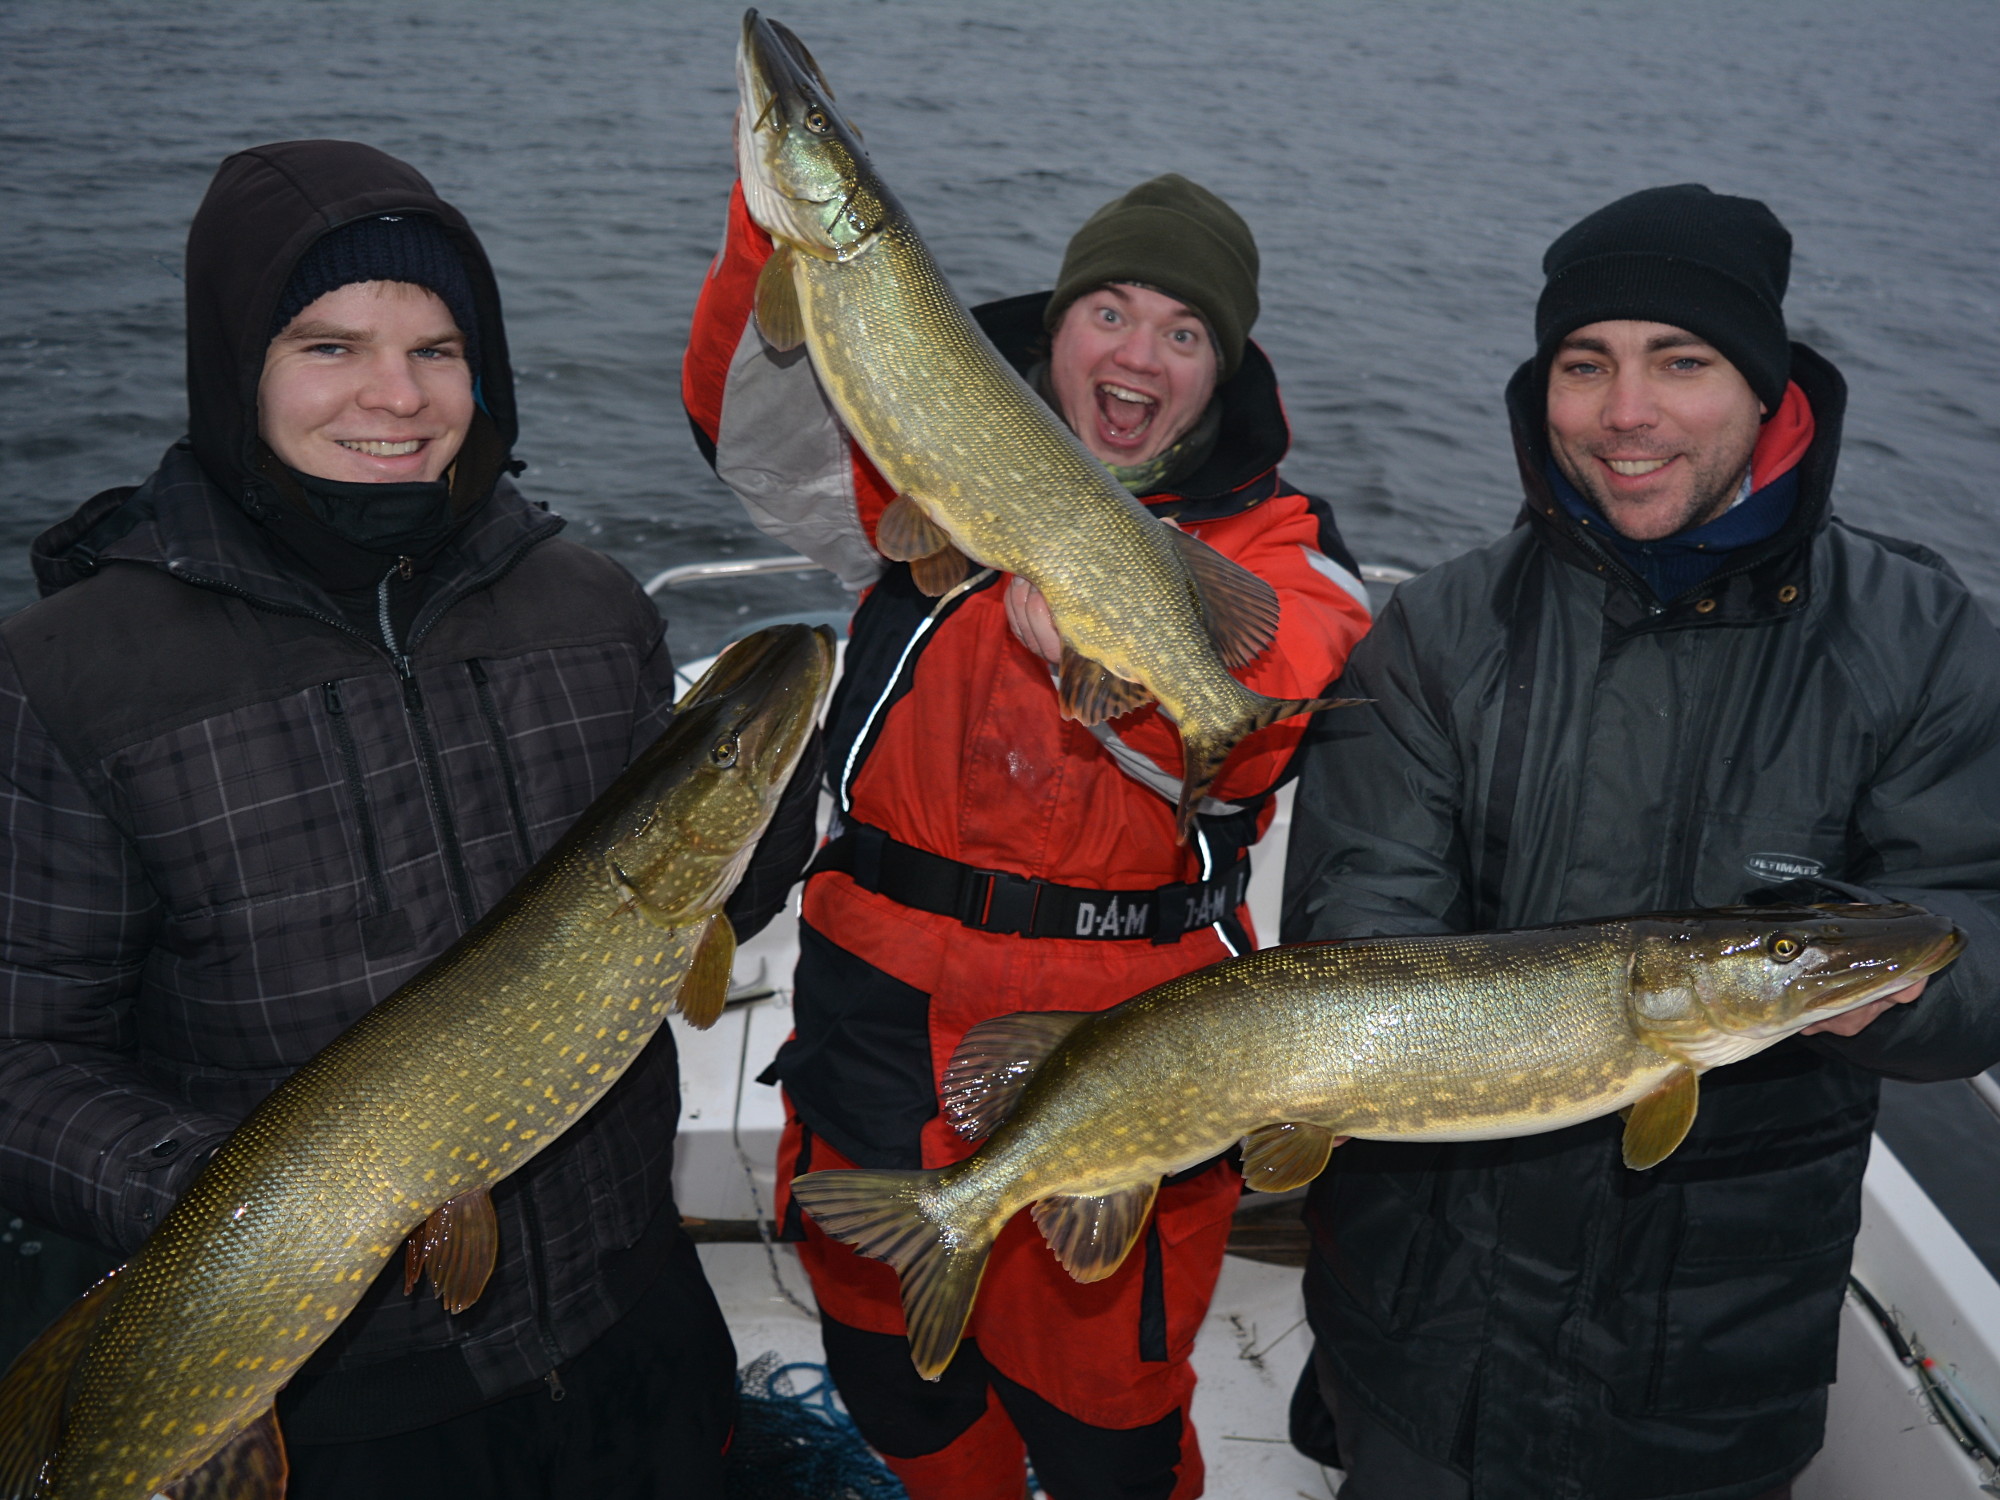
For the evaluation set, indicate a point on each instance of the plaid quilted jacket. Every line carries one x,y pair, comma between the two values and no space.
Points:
228,827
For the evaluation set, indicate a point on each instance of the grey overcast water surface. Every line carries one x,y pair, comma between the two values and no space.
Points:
1403,166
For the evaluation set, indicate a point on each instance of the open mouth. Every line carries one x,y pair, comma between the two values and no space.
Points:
1123,413
379,449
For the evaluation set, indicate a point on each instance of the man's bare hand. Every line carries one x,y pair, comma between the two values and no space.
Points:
1034,626
1855,1020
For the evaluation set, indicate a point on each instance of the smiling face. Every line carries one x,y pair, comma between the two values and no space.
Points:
368,384
1651,424
1132,371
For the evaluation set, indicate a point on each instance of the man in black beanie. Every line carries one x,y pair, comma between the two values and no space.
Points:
1679,682
291,716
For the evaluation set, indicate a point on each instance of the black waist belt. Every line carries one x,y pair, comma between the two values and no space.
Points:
996,901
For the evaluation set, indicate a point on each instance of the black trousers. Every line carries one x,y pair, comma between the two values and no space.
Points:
646,1411
1336,1430
905,1416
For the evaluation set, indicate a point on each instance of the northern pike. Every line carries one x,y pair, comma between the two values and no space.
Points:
1288,1051
982,468
165,1372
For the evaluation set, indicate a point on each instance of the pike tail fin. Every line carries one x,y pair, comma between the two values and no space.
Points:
32,1391
1202,754
892,1216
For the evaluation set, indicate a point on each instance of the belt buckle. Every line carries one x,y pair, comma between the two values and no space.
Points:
1001,901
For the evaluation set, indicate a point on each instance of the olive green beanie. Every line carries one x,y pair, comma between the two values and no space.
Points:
1178,237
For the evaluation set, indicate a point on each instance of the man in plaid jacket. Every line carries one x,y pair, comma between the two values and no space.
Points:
290,717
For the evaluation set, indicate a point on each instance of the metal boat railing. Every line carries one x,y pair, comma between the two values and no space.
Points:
791,562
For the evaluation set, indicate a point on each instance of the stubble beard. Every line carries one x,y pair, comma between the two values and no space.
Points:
1715,490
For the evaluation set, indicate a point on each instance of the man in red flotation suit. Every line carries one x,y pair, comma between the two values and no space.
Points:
989,856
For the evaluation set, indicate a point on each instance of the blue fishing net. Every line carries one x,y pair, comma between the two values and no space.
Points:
793,1441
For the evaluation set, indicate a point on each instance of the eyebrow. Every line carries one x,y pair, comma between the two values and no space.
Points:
1123,291
1677,339
332,333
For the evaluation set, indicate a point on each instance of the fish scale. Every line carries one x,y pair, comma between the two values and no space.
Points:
446,1087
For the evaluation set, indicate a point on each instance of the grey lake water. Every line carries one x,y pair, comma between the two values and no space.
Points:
1403,165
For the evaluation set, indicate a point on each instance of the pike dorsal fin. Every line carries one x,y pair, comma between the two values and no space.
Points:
1239,608
251,1466
31,1393
905,533
1092,1236
706,989
993,1063
1092,692
941,572
779,318
458,1244
1658,1123
1278,1158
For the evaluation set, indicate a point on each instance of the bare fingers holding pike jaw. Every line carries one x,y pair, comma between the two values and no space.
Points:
1852,1023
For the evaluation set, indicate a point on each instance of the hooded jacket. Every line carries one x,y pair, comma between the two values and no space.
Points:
1548,741
234,819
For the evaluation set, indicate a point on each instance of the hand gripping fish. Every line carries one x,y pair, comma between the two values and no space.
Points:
162,1376
983,469
1290,1050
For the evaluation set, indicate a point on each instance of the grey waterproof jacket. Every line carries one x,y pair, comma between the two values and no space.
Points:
1546,741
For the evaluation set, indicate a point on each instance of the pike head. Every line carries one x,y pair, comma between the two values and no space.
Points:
805,174
702,795
1716,986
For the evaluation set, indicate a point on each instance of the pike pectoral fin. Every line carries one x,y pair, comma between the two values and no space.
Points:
706,989
993,1063
1239,608
905,533
779,318
251,1466
1278,1158
1092,1236
941,572
31,1394
1092,692
1660,1122
459,1244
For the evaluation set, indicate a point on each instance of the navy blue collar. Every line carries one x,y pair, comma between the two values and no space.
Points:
1676,564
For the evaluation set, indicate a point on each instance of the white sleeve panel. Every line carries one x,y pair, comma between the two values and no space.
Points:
1334,573
1144,770
782,450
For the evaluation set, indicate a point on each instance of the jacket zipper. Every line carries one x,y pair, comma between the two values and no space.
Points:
413,700
427,756
539,1274
350,758
483,691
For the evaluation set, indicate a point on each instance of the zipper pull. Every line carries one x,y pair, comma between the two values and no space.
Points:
405,568
554,1382
333,703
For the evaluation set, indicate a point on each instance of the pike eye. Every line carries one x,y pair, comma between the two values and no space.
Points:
1784,948
724,753
816,121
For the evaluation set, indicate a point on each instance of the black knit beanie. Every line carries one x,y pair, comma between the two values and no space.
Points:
390,247
1178,237
1706,262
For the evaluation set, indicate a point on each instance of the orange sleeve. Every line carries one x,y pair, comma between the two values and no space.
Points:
722,312
1319,622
